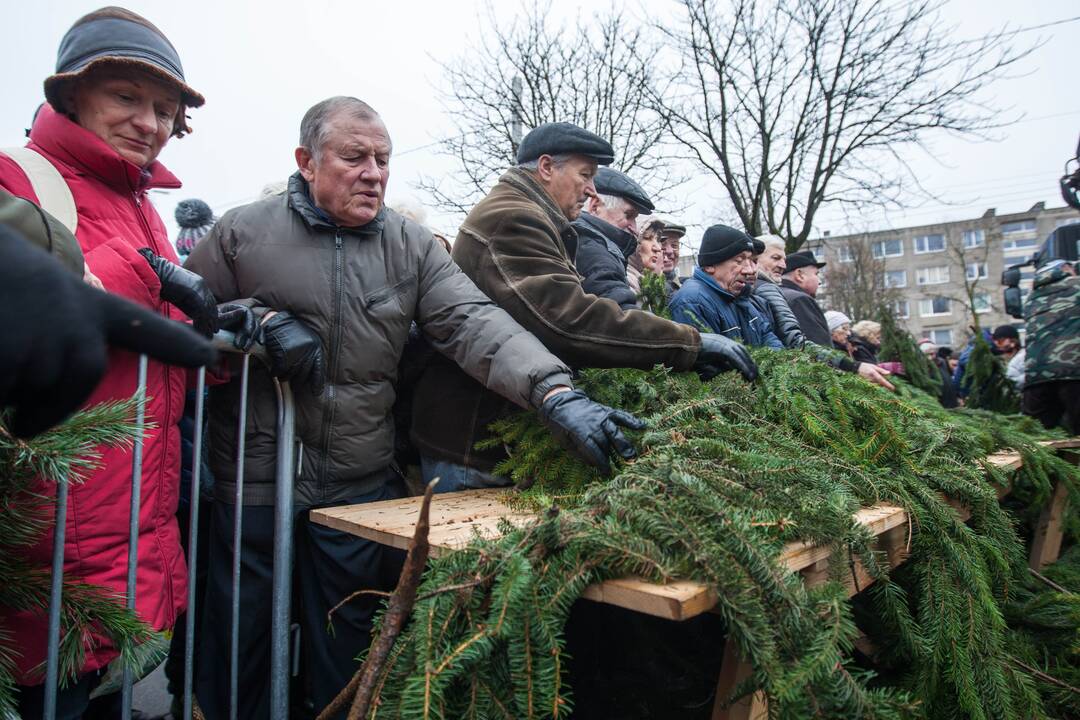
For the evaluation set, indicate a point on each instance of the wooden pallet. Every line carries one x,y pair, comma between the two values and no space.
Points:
457,517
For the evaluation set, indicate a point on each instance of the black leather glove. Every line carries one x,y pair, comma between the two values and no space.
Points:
56,332
589,429
239,320
185,290
295,351
719,354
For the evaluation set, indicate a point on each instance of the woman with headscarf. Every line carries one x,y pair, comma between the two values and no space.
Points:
117,97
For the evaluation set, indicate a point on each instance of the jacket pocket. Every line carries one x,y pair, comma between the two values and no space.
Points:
387,302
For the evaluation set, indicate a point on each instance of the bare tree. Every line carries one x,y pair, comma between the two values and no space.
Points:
857,284
794,105
598,74
969,256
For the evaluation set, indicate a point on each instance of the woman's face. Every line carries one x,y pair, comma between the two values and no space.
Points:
651,254
131,111
842,333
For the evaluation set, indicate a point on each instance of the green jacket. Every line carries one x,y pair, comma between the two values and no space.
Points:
42,229
519,248
359,290
1053,327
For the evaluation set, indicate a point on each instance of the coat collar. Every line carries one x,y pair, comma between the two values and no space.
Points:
524,182
301,202
785,283
624,241
87,154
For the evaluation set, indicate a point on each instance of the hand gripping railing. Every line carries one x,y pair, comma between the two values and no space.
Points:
283,548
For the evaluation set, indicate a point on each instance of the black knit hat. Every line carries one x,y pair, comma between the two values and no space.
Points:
721,243
116,36
564,139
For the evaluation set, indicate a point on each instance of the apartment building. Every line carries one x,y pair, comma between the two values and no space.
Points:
927,266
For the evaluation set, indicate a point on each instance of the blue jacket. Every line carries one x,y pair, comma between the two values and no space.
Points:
958,381
702,303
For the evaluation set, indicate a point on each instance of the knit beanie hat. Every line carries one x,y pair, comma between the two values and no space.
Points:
835,319
195,219
721,243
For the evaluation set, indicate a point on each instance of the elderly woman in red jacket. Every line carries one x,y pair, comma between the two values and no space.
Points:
117,97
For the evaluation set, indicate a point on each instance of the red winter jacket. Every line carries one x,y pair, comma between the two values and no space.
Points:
115,219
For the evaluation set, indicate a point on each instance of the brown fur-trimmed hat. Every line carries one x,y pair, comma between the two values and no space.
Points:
118,37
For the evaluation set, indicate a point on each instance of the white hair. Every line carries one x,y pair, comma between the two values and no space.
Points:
315,127
412,209
773,241
556,160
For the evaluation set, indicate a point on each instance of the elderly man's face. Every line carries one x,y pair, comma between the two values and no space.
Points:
772,262
671,251
130,110
807,279
623,216
570,184
733,273
348,180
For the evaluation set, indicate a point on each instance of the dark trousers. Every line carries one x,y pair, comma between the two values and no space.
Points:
1054,404
71,701
328,566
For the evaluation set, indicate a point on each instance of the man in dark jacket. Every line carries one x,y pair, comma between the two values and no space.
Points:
518,245
799,286
607,236
1052,365
771,261
717,297
336,279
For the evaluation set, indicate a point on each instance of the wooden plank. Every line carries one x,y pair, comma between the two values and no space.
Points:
733,670
455,519
1046,545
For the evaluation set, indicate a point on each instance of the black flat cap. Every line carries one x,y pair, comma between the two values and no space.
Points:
671,228
613,182
721,243
759,246
564,139
801,259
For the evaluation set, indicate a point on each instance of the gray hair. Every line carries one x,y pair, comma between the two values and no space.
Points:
315,127
612,202
773,241
556,160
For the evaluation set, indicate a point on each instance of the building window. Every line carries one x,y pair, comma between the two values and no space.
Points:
1018,243
894,278
929,243
887,248
932,275
930,307
1018,228
981,303
974,238
977,271
902,309
941,338
844,254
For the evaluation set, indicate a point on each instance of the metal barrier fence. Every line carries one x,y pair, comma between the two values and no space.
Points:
281,594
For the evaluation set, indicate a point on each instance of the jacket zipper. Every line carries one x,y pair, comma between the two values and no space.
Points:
164,310
332,362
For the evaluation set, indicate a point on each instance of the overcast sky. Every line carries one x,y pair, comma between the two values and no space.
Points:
262,64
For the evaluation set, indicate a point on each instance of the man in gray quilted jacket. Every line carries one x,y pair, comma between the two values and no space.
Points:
334,280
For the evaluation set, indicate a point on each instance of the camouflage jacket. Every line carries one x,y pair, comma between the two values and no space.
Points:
1053,327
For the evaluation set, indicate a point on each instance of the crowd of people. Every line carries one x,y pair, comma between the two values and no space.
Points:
361,309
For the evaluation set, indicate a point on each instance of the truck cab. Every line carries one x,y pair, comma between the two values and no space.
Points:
1062,244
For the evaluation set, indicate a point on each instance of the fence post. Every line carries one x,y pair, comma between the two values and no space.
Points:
133,527
283,555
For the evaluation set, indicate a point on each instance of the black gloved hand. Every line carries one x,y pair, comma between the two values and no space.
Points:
56,331
719,354
185,290
239,320
295,351
588,428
